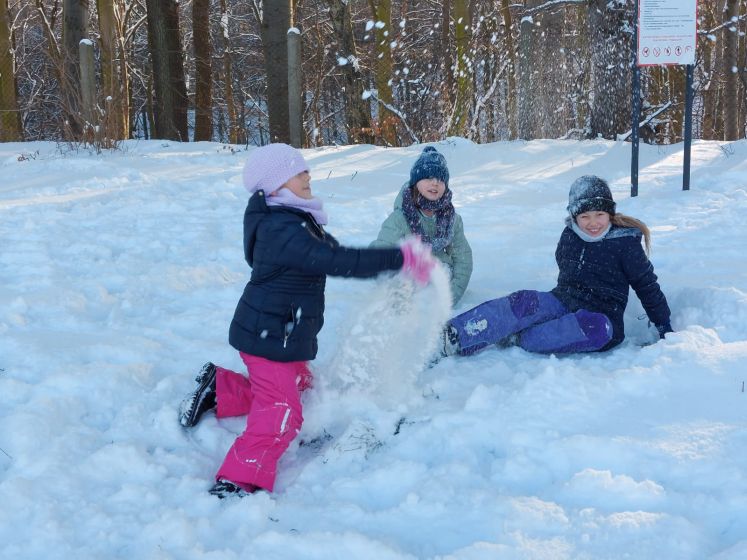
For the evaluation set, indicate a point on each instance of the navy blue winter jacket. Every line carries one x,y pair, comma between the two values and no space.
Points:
282,307
596,276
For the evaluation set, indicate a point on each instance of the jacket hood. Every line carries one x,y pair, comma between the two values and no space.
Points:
398,200
256,209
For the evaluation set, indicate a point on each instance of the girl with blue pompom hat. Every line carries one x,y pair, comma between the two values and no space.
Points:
423,207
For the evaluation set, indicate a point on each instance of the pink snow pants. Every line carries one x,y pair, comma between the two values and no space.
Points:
271,397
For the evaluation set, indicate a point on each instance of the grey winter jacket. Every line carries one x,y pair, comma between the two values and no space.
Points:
457,256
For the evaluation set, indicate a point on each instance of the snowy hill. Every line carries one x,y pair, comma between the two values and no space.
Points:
119,274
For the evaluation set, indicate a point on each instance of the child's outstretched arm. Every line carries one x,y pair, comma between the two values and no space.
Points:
295,246
462,259
643,280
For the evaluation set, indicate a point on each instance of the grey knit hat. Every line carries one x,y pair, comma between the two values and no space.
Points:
430,164
588,193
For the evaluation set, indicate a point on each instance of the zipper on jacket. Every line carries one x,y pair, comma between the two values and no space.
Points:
290,325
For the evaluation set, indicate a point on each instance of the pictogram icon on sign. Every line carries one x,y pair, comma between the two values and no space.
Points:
645,51
657,51
678,50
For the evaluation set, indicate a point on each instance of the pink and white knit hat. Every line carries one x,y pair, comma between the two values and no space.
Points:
269,167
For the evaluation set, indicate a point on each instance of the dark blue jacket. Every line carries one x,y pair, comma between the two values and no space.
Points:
597,276
282,307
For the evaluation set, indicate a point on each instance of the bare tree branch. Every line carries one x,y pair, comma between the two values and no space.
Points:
550,4
727,23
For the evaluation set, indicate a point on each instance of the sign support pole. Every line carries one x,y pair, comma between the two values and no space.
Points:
688,133
666,33
636,102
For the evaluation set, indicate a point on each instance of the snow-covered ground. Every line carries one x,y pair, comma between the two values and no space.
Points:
119,274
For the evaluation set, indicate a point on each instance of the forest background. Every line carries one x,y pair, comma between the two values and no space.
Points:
385,72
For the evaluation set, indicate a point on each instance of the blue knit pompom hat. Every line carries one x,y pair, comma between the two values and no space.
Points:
588,193
430,164
268,168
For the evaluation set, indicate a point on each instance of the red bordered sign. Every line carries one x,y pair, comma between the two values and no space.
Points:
667,31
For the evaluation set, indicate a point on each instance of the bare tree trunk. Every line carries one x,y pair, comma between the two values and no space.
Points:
527,100
204,77
551,84
582,76
74,29
233,126
88,91
315,82
511,54
382,13
710,87
274,27
742,124
676,86
150,108
731,78
611,47
357,111
114,76
464,91
485,78
171,102
447,96
10,117
295,88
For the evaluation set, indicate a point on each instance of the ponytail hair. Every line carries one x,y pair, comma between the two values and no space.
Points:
622,220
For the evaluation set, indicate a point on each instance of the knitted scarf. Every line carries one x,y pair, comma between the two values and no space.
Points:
284,197
445,216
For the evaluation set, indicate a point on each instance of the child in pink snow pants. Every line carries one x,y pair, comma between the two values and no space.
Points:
271,398
279,315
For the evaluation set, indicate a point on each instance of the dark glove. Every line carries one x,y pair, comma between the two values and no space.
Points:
664,329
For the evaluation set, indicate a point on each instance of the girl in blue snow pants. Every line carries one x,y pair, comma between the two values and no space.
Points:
600,257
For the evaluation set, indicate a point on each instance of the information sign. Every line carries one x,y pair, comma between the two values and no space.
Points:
666,32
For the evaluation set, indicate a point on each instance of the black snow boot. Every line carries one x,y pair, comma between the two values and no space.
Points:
450,341
225,488
510,340
201,399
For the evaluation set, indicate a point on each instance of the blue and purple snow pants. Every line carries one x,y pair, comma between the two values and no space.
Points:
540,321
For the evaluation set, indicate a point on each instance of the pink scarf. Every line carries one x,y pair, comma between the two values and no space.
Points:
284,197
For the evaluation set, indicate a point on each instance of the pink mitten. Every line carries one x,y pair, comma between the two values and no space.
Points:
419,261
